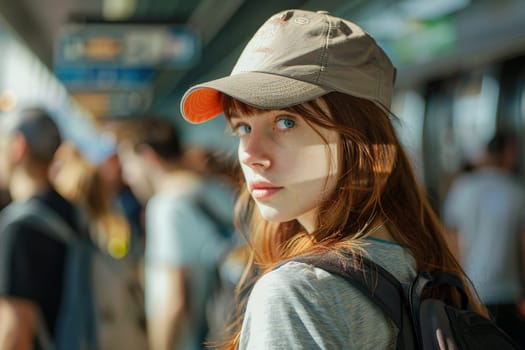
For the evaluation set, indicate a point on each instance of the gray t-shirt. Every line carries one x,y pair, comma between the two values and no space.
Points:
298,306
180,234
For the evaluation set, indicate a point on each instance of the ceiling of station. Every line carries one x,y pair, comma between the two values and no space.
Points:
224,26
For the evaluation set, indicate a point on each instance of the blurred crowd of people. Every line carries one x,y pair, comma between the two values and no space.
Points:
113,245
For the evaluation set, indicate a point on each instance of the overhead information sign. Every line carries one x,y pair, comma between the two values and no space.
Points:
127,45
110,68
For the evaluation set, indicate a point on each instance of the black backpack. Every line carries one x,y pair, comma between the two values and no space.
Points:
427,324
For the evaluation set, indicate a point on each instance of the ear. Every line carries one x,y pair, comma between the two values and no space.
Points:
19,148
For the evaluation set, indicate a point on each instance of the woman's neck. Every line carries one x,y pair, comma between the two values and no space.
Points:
379,230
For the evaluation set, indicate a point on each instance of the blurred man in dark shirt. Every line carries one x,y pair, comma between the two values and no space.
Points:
31,260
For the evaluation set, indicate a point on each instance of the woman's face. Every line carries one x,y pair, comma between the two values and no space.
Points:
136,172
287,165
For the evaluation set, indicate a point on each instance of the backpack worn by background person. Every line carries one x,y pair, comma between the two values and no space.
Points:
76,326
423,323
226,273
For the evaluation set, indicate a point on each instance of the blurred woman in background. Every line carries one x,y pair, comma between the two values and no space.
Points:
92,178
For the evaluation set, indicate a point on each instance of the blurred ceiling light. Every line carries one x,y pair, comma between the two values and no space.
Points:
118,9
404,17
428,9
389,24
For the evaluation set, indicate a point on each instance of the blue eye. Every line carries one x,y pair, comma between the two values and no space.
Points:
242,129
285,123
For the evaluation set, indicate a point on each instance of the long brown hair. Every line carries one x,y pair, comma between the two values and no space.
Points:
81,182
376,180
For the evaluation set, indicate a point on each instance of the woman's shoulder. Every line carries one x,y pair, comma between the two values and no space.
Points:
292,284
308,297
288,306
295,291
294,277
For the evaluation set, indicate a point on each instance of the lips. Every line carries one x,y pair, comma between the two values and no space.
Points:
263,190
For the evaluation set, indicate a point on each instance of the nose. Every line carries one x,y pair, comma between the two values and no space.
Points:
254,151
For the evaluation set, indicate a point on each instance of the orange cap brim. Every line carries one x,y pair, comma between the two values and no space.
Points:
201,105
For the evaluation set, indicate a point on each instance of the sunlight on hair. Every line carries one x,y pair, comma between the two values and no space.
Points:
384,158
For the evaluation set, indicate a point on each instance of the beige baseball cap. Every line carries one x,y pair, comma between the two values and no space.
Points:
294,57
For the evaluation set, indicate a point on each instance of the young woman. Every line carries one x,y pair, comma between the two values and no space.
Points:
323,170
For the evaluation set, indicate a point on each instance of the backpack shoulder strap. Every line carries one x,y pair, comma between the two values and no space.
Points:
38,215
224,228
380,286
